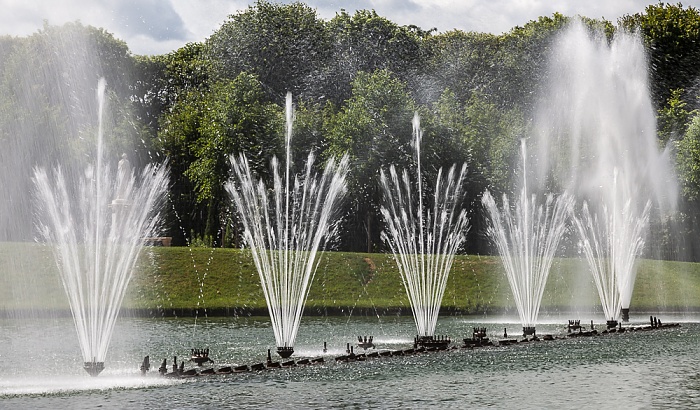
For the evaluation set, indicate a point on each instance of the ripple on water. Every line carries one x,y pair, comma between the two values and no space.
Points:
644,369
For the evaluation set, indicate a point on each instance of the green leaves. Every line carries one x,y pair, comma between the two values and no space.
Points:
673,118
374,128
357,79
688,159
199,134
672,33
280,44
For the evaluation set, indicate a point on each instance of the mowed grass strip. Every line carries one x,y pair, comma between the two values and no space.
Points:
168,279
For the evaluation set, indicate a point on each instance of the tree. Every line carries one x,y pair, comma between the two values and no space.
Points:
688,159
180,128
49,106
204,130
672,35
58,68
486,137
522,61
374,128
236,120
282,44
309,132
366,42
463,63
673,118
163,80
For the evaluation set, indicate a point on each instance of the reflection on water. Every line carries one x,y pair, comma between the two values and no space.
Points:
43,367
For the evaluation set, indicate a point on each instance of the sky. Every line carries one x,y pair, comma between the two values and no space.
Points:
161,26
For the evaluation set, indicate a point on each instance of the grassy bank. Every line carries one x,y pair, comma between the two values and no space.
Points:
224,281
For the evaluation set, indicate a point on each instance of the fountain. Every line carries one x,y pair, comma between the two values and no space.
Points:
611,243
285,227
424,241
527,237
96,228
597,136
35,376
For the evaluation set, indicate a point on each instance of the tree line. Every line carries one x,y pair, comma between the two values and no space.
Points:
357,79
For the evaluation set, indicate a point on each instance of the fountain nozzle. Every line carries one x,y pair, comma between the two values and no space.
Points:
285,351
94,368
625,314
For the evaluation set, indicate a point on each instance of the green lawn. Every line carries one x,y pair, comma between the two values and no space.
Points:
180,279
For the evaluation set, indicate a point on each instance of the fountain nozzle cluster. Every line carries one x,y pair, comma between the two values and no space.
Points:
94,368
285,351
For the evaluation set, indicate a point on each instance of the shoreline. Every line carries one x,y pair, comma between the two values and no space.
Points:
222,312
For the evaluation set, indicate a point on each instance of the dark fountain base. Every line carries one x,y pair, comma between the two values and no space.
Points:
611,324
94,368
528,330
285,352
625,314
200,356
432,342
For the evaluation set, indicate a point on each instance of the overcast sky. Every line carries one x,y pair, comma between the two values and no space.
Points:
160,26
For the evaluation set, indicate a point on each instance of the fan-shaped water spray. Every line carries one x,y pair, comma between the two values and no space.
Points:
527,236
96,227
424,240
597,138
611,244
285,225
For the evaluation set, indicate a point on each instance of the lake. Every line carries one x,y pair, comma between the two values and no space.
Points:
654,369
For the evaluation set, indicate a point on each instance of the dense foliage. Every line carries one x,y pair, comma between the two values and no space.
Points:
357,79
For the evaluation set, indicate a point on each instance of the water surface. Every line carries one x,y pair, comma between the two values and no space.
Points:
657,369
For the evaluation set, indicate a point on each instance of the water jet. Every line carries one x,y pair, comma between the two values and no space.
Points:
527,237
597,139
285,227
423,240
95,226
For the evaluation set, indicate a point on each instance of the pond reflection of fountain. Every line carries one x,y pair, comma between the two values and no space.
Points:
527,237
96,229
285,227
424,241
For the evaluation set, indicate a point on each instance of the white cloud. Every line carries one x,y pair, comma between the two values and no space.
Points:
202,18
159,26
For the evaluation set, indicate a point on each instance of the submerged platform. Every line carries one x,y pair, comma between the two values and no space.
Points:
423,345
432,342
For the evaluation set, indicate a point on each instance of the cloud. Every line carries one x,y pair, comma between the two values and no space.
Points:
203,17
160,26
147,26
150,18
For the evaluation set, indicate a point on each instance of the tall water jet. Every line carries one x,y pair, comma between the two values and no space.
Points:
597,139
424,240
285,226
96,227
527,237
611,244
